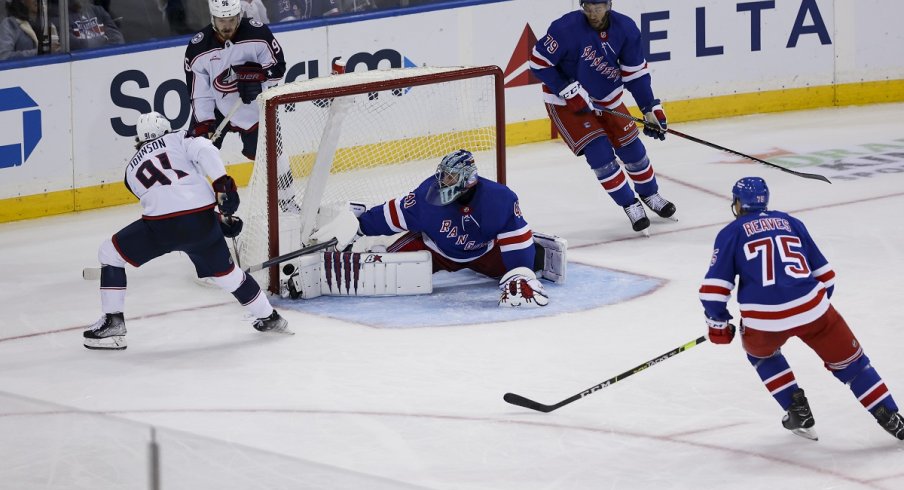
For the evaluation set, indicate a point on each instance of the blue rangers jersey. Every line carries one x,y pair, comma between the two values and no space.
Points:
603,62
459,233
784,280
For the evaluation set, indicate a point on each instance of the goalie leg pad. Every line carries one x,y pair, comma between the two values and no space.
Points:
361,274
555,257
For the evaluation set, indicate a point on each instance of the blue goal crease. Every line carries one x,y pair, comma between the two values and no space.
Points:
466,298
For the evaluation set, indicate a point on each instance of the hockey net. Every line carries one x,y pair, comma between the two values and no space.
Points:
364,137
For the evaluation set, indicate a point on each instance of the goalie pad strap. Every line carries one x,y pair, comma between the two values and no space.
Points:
361,274
555,257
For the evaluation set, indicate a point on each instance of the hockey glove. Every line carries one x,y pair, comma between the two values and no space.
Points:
231,225
720,331
344,227
520,287
249,79
576,98
227,195
655,123
203,129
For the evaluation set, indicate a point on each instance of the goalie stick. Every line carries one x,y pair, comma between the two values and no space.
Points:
93,273
712,145
528,403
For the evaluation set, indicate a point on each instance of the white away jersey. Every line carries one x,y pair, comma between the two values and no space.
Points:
210,77
169,175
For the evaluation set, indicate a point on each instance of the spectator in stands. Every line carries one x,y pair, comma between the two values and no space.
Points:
175,16
255,10
91,26
21,35
286,10
352,6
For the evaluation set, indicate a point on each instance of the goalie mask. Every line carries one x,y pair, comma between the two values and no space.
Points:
455,174
225,16
749,195
152,126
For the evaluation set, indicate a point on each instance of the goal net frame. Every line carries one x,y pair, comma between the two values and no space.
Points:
272,103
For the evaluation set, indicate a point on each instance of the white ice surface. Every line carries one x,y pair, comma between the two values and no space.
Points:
423,406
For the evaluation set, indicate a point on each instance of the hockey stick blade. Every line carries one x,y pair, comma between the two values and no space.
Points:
291,255
91,273
713,145
521,401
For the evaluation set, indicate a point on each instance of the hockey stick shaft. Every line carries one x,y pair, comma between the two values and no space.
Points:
217,132
93,273
531,404
291,255
713,145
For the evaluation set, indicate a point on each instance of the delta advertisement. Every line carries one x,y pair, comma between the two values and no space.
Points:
69,126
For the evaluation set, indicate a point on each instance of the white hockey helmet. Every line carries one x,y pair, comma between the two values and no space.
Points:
225,16
224,8
152,126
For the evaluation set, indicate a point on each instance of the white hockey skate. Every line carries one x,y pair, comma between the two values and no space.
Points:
108,333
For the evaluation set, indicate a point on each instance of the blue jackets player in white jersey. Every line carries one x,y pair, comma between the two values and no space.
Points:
465,221
587,59
168,174
228,64
784,286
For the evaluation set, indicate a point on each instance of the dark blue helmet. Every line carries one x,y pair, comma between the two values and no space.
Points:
593,1
752,194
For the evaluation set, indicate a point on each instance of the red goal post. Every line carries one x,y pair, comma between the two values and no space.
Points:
366,137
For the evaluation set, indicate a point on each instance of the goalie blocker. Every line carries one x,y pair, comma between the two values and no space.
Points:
392,274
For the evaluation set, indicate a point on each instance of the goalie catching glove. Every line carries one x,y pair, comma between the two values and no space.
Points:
520,287
720,331
344,228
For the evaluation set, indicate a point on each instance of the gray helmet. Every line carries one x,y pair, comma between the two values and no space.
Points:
455,174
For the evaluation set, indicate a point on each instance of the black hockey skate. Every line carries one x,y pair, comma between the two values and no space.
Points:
107,333
890,421
660,206
273,323
638,217
799,418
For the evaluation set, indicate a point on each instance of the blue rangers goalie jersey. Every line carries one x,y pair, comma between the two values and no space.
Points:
603,62
460,233
784,280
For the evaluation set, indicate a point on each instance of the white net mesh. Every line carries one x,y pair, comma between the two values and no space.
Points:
370,137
